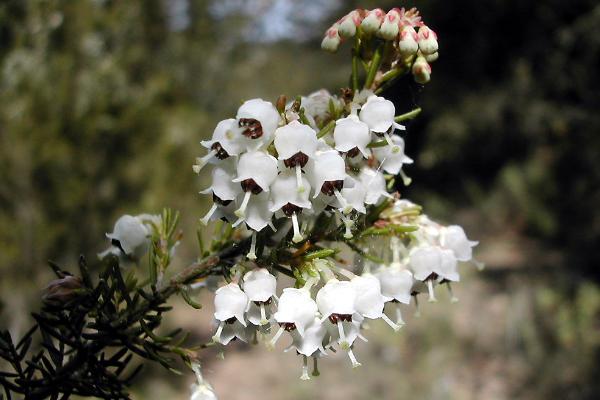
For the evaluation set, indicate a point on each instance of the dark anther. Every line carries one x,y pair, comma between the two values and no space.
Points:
217,200
253,128
297,159
249,185
347,94
289,209
288,326
269,301
334,318
230,320
382,134
353,152
117,244
329,187
221,153
433,276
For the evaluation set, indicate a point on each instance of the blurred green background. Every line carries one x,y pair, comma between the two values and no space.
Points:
103,103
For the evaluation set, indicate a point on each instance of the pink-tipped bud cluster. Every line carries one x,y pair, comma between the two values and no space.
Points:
414,42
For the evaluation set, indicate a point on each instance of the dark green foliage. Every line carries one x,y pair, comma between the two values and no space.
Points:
88,341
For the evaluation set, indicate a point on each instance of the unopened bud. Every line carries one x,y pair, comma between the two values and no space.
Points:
432,57
389,28
281,102
61,290
421,70
349,23
373,20
332,39
427,38
408,41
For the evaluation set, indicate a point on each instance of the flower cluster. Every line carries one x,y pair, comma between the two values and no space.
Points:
328,310
130,237
316,176
415,42
270,164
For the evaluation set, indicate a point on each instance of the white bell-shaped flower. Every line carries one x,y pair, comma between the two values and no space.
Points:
374,183
230,305
449,272
389,27
295,138
352,136
396,283
131,236
312,339
230,302
453,237
257,120
392,158
296,143
449,266
425,260
259,167
222,185
327,173
225,142
378,113
223,189
257,216
396,286
426,263
285,197
427,38
260,287
256,171
369,299
408,44
336,297
295,310
373,20
336,301
354,194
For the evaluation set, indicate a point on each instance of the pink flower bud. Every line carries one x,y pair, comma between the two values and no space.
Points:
427,38
332,39
408,41
421,70
348,24
389,28
373,20
61,290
